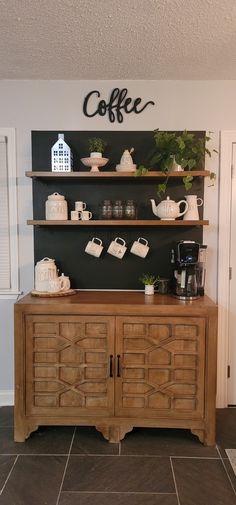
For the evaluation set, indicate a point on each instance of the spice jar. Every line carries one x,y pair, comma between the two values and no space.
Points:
56,208
130,210
106,212
117,209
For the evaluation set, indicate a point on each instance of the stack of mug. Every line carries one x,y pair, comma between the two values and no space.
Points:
80,212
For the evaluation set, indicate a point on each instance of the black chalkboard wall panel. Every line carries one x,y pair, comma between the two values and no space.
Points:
67,243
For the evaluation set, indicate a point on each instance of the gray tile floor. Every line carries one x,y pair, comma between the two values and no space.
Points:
76,466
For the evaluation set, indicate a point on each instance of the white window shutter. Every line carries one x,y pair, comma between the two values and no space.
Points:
5,272
9,268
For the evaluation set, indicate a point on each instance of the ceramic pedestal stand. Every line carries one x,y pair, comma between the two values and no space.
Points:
94,163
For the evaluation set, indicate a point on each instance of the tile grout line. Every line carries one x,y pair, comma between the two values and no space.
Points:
32,454
64,473
99,455
113,455
5,483
226,471
175,483
119,492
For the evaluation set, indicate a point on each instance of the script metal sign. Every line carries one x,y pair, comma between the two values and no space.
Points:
118,104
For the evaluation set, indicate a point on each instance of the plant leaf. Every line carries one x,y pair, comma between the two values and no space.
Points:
188,182
161,189
141,170
212,176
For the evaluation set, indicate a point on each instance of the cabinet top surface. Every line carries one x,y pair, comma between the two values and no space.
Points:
112,301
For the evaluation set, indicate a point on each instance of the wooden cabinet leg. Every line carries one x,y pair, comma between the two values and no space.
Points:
114,434
207,438
23,432
200,434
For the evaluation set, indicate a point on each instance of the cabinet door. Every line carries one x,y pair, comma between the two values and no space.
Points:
67,365
162,362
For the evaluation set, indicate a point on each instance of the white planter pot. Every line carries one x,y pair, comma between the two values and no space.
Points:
95,155
149,289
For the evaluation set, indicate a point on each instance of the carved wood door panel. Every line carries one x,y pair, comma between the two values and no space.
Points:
67,365
162,361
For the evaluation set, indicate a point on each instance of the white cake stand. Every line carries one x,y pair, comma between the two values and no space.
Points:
94,163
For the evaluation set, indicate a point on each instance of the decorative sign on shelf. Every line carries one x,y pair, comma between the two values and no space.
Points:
118,103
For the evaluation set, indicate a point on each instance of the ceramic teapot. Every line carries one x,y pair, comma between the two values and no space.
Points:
45,271
168,209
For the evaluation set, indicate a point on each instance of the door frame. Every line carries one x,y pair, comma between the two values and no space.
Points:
227,137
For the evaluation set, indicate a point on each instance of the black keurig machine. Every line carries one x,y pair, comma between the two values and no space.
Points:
185,281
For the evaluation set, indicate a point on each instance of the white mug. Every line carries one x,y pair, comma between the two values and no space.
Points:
80,206
58,284
117,248
74,215
94,247
140,247
85,215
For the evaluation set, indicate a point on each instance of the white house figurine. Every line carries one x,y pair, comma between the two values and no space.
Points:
61,156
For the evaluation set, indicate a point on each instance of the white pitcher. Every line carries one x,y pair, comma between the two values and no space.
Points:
193,203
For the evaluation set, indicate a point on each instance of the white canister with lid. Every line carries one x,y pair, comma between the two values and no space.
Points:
45,271
56,208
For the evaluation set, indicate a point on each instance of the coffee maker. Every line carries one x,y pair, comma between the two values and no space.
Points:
186,254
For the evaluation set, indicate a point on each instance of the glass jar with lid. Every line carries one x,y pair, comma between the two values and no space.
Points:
117,209
106,211
130,210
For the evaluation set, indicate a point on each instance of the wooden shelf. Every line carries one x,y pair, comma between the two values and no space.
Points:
104,175
118,222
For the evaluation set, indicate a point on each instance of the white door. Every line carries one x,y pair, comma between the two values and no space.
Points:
232,287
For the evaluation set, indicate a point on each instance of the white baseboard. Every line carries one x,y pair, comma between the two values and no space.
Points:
6,397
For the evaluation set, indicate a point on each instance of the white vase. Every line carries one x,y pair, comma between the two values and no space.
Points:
175,166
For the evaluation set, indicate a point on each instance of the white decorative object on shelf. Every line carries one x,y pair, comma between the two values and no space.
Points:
193,203
126,162
56,208
61,156
94,163
168,209
45,271
46,277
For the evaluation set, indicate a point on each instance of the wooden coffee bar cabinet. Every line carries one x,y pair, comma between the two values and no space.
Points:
115,360
109,356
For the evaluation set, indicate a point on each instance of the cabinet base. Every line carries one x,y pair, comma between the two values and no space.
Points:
114,434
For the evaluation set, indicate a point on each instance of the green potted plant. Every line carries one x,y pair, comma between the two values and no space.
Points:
177,151
96,147
149,281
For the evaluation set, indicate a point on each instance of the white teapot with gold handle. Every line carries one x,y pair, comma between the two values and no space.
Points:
168,209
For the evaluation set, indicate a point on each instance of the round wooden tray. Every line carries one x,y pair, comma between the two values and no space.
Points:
45,294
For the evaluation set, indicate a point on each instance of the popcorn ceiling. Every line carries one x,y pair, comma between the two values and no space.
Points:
117,39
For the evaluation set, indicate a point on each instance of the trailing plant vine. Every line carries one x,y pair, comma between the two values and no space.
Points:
184,148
